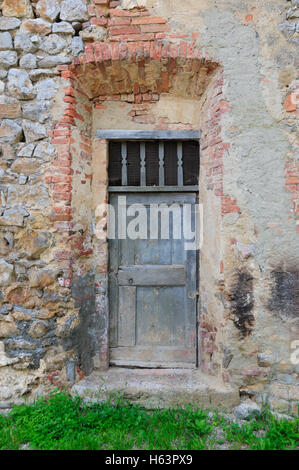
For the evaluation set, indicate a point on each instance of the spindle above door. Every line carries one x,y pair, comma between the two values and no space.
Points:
153,165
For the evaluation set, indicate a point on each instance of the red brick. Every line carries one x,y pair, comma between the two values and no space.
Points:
158,51
86,148
160,36
154,28
291,187
63,254
89,54
61,140
178,36
293,180
61,179
115,51
69,99
106,52
149,20
61,132
174,52
61,163
165,50
127,13
164,81
135,37
61,188
66,75
98,52
119,21
290,104
64,196
61,210
85,139
123,51
118,30
99,21
61,218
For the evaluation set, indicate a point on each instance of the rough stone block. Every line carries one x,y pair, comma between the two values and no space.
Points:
19,84
5,41
24,43
22,179
77,46
8,328
73,10
37,110
34,131
32,244
48,9
18,8
7,24
13,217
10,131
53,61
63,27
247,410
8,58
44,150
42,278
26,150
25,165
28,61
22,314
265,360
46,89
6,273
38,329
53,44
36,26
38,74
10,108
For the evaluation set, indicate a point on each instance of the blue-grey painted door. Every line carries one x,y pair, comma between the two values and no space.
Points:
152,286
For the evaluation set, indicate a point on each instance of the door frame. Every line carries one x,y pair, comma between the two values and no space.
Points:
197,276
105,136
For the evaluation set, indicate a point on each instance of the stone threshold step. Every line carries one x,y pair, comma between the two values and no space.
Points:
158,388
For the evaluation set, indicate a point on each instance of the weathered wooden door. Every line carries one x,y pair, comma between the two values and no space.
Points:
152,286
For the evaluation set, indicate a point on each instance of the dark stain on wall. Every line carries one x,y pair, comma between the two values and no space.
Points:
285,292
242,302
84,338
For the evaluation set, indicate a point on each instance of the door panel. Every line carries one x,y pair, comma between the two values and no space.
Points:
127,316
149,275
152,292
160,317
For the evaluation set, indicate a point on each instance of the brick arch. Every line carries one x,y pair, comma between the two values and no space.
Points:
136,73
107,69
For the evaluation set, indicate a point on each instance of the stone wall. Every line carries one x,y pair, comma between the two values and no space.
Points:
68,68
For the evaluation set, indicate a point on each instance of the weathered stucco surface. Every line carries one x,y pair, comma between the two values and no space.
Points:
70,68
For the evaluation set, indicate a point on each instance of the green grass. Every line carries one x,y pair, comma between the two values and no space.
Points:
65,423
